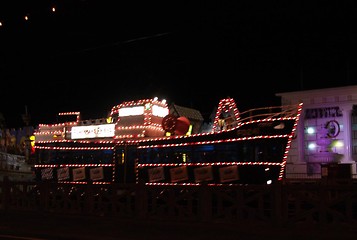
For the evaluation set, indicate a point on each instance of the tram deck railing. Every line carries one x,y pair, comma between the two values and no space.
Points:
284,111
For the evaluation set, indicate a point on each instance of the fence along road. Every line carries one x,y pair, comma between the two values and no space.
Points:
277,205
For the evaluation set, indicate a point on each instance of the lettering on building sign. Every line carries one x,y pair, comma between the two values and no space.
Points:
333,128
327,112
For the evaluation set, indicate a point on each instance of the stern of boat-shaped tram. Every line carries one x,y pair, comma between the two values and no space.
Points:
75,151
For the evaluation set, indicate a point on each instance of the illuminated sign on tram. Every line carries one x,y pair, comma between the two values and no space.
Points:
93,131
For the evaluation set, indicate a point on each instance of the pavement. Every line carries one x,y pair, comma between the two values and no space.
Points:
41,226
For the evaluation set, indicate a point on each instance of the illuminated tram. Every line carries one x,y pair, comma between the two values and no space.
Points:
142,142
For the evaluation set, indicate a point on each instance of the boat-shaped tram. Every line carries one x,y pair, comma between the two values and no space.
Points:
143,142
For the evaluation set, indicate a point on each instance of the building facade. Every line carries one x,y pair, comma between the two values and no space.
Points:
326,137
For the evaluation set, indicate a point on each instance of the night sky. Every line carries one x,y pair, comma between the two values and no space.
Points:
89,56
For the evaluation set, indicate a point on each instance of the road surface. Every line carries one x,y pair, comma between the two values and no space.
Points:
41,226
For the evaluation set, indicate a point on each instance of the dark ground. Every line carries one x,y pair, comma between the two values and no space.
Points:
40,226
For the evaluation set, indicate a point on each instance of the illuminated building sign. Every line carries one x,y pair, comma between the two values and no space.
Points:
328,112
93,131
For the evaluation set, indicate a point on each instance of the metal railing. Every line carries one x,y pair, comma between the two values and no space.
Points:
269,112
325,202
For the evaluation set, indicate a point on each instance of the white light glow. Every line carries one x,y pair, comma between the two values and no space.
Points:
310,130
131,111
312,146
159,111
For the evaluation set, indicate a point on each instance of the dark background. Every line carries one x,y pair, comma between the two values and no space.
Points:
89,56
